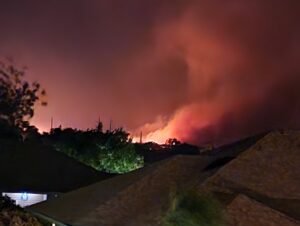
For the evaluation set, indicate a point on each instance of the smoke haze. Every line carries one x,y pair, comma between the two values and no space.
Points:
206,71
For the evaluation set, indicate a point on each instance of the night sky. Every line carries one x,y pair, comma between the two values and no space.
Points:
202,71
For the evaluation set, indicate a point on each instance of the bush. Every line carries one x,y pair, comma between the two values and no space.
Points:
6,203
119,160
10,214
194,209
111,151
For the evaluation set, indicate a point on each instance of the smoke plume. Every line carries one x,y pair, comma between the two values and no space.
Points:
203,71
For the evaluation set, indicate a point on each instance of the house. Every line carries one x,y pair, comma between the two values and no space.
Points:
32,173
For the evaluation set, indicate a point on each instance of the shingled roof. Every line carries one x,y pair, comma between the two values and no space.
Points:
267,172
136,198
269,167
248,212
263,178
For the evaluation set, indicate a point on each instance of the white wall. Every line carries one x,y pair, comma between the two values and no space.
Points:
26,199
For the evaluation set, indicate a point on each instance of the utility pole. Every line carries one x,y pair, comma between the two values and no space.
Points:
141,137
110,125
99,126
51,124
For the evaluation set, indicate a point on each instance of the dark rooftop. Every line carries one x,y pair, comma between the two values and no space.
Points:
39,168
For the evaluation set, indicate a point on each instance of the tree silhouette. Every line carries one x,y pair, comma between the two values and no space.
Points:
171,142
17,96
109,151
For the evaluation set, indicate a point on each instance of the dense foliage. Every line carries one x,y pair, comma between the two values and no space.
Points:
110,151
119,160
12,215
194,209
17,99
